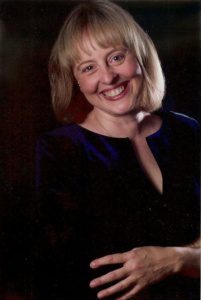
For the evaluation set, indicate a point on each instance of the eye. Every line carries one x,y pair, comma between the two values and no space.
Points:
87,69
117,58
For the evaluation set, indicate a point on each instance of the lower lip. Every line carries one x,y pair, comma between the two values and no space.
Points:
120,96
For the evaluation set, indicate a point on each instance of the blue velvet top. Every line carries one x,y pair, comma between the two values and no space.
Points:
96,200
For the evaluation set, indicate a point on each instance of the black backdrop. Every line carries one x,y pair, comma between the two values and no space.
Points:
27,32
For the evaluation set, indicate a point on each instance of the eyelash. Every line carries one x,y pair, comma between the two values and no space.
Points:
86,69
120,56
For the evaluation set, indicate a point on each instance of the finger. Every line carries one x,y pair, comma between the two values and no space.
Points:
118,287
130,293
109,260
109,277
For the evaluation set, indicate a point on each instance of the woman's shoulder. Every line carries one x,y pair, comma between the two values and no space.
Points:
176,121
63,137
183,119
70,131
180,130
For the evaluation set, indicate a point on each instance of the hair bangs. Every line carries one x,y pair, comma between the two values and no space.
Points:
101,23
93,32
106,34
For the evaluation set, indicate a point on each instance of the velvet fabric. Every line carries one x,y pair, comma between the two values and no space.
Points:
94,199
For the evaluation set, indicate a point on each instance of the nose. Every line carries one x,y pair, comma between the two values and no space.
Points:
108,75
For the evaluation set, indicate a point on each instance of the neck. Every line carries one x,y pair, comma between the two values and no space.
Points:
115,126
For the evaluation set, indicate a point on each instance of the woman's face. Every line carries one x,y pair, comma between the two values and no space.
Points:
110,78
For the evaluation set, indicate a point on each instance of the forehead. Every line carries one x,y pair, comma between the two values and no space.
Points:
88,43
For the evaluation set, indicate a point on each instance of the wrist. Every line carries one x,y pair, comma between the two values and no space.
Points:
187,261
176,259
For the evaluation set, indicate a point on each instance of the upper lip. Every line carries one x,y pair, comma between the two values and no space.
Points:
115,87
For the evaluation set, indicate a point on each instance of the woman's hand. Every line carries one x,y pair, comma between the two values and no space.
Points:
140,267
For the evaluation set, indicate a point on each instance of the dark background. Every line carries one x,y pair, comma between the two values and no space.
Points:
27,33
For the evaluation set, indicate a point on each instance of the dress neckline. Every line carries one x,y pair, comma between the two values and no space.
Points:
153,135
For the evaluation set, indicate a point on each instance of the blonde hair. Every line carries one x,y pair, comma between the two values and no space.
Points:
109,25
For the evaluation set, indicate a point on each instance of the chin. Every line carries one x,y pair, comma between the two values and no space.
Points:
124,110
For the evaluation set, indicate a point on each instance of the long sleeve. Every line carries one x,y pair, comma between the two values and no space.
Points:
93,200
57,252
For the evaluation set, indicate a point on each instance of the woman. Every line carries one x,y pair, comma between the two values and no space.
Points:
119,196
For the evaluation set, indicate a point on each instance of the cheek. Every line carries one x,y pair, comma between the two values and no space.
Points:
137,77
133,68
136,70
88,86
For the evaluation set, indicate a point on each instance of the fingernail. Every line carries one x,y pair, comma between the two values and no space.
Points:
92,284
92,264
100,295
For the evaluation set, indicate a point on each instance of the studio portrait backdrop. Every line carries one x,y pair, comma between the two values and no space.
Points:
28,30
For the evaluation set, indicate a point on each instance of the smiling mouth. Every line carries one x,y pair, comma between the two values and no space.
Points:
116,92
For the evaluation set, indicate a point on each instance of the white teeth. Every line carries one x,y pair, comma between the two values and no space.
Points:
114,92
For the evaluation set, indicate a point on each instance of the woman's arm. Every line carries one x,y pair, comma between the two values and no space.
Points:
190,258
144,266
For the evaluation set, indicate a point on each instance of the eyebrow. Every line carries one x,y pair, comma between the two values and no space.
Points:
91,60
84,63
